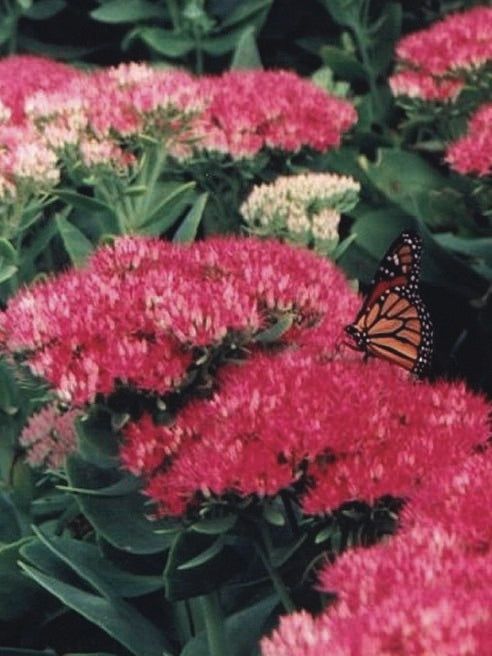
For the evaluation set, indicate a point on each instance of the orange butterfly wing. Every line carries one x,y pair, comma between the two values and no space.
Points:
394,323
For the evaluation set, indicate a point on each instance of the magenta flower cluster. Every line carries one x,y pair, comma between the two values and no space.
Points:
434,62
472,153
306,414
99,117
426,591
137,312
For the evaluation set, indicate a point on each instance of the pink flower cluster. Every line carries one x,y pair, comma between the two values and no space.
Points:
426,591
307,412
251,110
140,309
23,75
472,153
49,436
433,61
26,162
99,117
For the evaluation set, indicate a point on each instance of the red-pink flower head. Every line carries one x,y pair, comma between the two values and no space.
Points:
23,75
472,153
460,500
307,412
251,110
461,40
425,591
416,594
140,308
433,63
419,84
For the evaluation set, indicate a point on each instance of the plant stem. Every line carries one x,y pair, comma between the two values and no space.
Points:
214,624
289,511
278,584
366,62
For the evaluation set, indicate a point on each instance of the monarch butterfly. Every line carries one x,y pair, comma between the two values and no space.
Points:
394,323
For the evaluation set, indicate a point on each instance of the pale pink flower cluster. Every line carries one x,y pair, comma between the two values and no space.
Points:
26,162
49,436
304,208
472,153
434,62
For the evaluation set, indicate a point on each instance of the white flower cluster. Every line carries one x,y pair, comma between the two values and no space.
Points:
303,208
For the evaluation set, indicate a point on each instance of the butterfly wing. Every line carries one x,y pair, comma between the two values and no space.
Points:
400,266
393,322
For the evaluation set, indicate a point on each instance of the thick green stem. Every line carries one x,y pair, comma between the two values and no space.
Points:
214,625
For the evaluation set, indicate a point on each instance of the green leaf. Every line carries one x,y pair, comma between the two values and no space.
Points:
117,618
76,243
170,201
273,516
220,45
215,526
122,11
165,42
121,520
38,243
97,441
122,487
478,248
11,524
9,260
403,177
343,12
342,247
88,563
376,229
9,391
246,54
214,571
188,229
7,271
243,629
43,9
63,52
81,201
8,254
389,28
247,11
54,503
342,63
275,332
326,533
17,593
280,555
205,556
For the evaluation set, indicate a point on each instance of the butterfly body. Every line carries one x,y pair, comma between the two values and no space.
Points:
394,323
